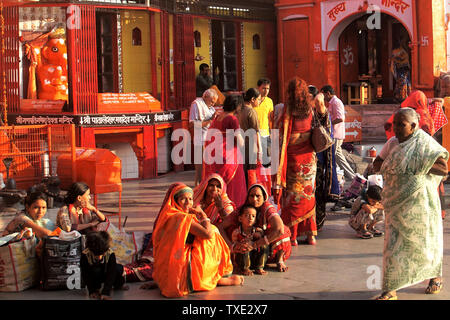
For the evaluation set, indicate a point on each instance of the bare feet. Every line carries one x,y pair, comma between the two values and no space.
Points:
261,272
311,240
388,295
244,272
124,288
234,280
149,286
434,286
281,267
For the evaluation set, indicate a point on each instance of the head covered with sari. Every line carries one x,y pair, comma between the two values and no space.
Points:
264,211
417,100
211,209
179,267
170,231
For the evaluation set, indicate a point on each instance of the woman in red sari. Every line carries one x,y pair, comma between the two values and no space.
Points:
189,252
297,167
229,163
212,197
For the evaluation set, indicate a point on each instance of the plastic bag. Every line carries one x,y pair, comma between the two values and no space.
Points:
126,245
19,269
60,263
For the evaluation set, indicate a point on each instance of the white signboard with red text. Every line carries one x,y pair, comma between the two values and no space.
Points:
335,13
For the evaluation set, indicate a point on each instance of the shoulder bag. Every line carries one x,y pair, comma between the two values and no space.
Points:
320,138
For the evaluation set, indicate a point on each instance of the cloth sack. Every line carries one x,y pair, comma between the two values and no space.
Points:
125,245
60,263
19,268
320,138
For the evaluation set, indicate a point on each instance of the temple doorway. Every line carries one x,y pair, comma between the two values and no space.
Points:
374,61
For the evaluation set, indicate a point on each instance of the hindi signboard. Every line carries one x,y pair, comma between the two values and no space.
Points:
127,102
353,121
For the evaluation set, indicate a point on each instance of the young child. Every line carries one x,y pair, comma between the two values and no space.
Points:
248,232
98,266
366,212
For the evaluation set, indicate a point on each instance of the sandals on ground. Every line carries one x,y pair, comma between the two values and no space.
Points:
436,284
387,296
376,233
365,235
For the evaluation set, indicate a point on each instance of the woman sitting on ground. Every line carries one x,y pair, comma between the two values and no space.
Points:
212,197
276,233
32,219
190,254
79,214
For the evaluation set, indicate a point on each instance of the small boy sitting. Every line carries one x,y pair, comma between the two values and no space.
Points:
247,232
366,212
98,266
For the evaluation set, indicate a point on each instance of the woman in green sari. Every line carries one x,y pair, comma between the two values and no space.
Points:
412,164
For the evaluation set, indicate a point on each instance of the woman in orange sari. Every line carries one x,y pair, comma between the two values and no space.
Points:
212,197
297,167
190,254
230,163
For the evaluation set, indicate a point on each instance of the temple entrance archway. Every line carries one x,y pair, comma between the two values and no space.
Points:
366,57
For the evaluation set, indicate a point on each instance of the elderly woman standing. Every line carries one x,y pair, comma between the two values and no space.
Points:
201,114
412,164
297,167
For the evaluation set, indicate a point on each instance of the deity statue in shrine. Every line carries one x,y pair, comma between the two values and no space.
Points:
52,81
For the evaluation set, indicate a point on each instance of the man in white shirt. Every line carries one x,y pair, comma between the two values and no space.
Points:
337,112
201,114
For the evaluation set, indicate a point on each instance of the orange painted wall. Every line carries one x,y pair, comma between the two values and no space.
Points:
324,67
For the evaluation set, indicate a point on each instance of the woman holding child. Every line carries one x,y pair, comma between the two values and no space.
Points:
276,234
412,164
190,254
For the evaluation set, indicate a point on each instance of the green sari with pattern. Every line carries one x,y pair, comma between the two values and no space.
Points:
413,244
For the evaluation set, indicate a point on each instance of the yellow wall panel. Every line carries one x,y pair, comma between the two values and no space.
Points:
202,26
136,62
439,38
254,60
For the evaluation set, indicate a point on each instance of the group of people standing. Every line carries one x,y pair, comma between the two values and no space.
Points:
221,230
412,166
259,224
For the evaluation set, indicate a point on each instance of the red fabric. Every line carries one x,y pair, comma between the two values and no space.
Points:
231,168
282,243
299,199
437,114
138,271
260,175
418,101
302,125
